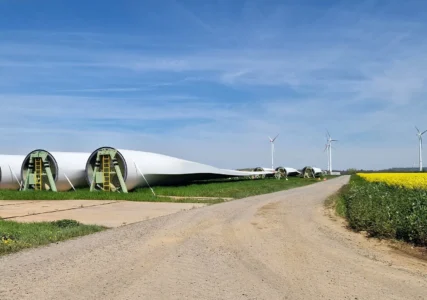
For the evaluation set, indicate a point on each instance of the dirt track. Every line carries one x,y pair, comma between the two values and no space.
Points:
277,246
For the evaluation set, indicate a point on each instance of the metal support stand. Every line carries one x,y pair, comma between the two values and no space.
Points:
16,177
280,173
106,169
38,169
142,174
308,172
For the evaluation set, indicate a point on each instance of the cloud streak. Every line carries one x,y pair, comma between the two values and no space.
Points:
212,90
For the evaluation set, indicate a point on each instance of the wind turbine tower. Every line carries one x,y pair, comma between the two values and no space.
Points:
327,148
329,141
272,150
420,138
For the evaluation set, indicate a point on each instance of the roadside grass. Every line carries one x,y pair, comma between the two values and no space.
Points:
217,190
336,201
383,211
15,236
236,189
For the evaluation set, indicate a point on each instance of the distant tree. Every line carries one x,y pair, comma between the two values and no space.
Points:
351,171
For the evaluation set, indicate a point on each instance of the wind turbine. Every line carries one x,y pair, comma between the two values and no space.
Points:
272,150
329,141
327,148
420,138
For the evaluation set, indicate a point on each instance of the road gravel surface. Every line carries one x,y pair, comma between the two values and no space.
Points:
276,246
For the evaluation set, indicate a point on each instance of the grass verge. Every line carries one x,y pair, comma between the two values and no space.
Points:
336,201
382,210
15,236
218,190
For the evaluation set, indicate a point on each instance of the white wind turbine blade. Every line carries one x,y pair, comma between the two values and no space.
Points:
417,129
275,137
423,132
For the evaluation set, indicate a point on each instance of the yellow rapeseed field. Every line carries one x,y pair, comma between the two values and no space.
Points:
407,180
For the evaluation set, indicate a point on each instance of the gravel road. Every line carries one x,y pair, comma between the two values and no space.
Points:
275,246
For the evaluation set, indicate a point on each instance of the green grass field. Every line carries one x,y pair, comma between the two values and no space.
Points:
382,210
16,236
235,189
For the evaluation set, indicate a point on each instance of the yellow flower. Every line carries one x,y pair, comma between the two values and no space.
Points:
406,180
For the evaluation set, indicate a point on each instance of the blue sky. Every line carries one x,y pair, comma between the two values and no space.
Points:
210,80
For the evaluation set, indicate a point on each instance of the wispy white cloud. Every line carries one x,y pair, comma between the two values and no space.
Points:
215,95
97,90
193,16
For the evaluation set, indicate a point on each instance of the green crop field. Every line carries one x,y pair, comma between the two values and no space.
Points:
384,209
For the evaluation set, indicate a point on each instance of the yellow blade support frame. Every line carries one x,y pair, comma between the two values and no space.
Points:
38,174
106,170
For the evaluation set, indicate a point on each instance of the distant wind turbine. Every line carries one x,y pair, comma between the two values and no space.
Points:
328,147
420,138
272,150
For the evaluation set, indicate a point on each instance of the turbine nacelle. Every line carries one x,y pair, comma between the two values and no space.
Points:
272,140
419,133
